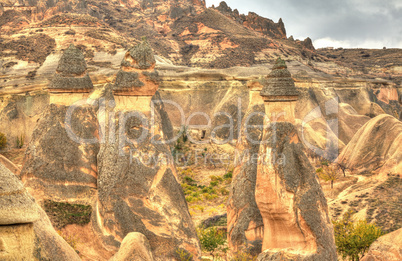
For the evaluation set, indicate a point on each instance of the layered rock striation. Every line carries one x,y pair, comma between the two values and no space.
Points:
71,78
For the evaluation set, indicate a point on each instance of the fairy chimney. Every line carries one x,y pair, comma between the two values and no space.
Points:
280,94
71,81
137,81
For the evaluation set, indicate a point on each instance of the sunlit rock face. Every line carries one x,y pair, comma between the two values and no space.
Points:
245,226
137,186
382,154
18,211
135,246
387,247
60,161
290,199
291,202
71,81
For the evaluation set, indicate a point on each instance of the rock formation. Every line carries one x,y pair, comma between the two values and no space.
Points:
71,82
280,94
135,246
49,245
255,22
382,154
60,161
245,226
137,81
288,195
387,247
18,212
137,186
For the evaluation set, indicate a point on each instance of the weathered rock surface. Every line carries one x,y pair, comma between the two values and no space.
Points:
291,202
383,151
245,226
60,161
387,247
135,246
16,205
25,231
18,211
138,192
49,245
71,73
137,75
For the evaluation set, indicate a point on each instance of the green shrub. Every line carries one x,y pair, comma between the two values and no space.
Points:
224,191
211,239
228,175
3,141
188,180
183,255
353,239
215,178
213,183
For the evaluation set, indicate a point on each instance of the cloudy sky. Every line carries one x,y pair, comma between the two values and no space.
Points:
336,23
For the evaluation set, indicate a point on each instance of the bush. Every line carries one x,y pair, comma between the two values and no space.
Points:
3,141
228,175
353,239
183,255
211,239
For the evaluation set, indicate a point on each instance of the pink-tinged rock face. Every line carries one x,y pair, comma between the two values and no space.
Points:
387,94
290,200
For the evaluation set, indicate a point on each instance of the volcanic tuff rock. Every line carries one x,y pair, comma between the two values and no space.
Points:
279,83
71,73
17,206
25,230
382,154
137,76
60,161
291,202
135,246
18,211
245,226
387,247
138,190
49,245
255,22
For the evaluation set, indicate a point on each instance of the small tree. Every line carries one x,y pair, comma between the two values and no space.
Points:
328,173
342,167
3,141
353,239
211,239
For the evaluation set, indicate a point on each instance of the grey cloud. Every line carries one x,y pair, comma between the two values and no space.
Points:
356,21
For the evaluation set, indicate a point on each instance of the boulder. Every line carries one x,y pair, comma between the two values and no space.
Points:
16,205
135,247
387,247
18,211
